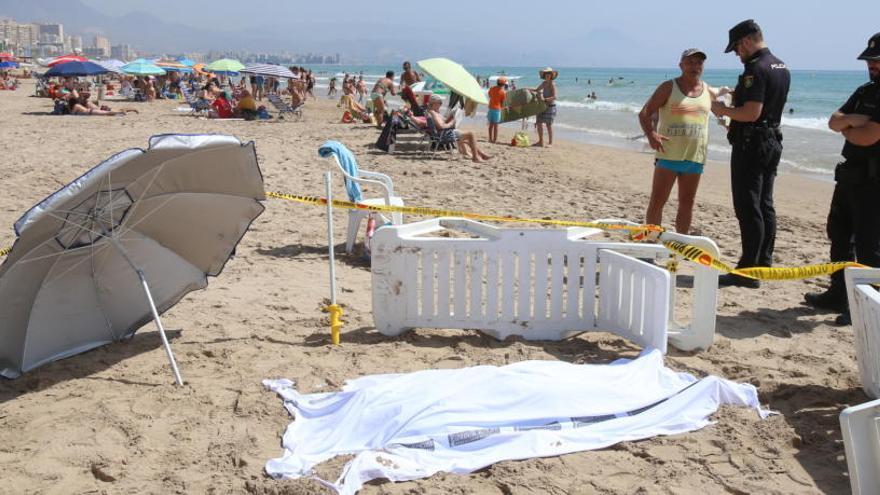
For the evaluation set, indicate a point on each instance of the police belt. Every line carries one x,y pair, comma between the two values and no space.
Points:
858,170
744,131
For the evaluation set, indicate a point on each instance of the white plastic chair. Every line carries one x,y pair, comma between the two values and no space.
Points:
388,198
860,424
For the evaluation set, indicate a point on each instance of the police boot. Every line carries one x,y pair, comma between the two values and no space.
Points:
830,300
843,319
732,279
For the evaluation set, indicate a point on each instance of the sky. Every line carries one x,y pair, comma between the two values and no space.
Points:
807,34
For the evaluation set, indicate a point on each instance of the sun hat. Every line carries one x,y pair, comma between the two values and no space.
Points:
873,50
548,69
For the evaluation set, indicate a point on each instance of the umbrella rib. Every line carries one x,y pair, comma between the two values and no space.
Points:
136,202
65,272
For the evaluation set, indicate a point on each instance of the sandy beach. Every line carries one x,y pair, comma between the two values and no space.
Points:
112,421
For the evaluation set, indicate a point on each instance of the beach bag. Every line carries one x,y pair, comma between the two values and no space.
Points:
521,140
61,108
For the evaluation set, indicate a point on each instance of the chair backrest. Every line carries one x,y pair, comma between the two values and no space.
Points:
864,307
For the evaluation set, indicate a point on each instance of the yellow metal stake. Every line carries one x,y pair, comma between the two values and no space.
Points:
335,322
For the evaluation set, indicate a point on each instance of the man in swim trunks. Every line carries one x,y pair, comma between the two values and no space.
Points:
680,138
377,96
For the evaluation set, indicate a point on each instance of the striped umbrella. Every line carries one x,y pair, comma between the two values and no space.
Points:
111,65
270,70
70,57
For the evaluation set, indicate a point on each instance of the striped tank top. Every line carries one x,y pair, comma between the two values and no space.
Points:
685,121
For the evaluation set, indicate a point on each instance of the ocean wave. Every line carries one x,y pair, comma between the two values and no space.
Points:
812,123
612,106
600,132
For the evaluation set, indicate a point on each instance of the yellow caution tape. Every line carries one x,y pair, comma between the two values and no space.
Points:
433,212
698,255
637,233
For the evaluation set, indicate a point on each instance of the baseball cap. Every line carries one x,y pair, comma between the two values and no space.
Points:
740,31
502,81
873,50
693,51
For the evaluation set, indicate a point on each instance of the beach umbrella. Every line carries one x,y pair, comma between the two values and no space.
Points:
8,64
456,77
123,243
6,56
187,62
172,66
226,66
70,57
109,66
142,67
76,69
270,70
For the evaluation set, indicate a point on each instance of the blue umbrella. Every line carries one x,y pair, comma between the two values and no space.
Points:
76,69
8,64
142,67
187,62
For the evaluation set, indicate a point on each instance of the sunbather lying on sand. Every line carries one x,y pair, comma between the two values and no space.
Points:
84,106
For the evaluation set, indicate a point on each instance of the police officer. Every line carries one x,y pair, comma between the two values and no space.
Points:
854,222
758,102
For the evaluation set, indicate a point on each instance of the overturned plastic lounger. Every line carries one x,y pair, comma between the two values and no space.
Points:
537,283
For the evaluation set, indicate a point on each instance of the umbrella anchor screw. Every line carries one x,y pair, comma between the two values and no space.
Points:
153,309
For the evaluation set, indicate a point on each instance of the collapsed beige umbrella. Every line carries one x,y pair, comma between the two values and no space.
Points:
120,245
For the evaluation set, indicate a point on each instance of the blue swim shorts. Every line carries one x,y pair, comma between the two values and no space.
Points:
680,167
494,116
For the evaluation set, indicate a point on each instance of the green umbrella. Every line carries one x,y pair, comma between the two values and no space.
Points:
224,66
455,77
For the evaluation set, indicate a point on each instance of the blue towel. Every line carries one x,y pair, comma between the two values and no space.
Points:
349,164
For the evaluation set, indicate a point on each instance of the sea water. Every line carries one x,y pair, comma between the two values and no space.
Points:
611,119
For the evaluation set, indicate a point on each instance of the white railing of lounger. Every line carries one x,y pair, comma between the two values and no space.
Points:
537,283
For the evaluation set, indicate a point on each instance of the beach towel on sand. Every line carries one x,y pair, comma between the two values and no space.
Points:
409,426
349,164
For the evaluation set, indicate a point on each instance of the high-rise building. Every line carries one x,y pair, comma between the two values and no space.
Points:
122,52
102,45
18,38
52,33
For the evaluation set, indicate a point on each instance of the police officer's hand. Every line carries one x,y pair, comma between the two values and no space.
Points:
655,139
718,108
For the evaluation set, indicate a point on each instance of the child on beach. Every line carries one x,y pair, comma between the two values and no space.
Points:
497,96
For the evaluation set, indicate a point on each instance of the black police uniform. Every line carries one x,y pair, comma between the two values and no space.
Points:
756,150
853,221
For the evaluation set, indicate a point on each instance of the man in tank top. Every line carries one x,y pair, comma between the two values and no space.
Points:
680,137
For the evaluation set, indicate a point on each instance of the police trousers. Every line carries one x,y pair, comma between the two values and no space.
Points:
753,166
854,221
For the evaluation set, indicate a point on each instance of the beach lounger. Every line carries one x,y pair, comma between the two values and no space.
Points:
860,425
539,283
196,106
354,177
283,108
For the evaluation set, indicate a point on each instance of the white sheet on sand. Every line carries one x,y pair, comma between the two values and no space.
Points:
409,426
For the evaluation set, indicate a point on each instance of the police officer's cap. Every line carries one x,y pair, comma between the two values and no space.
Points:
873,50
740,31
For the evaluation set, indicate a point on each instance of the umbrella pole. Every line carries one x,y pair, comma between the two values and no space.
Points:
153,309
334,310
